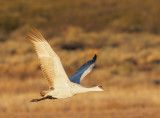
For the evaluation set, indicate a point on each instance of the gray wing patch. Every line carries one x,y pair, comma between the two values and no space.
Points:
83,71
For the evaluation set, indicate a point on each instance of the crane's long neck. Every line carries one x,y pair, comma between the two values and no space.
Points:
83,89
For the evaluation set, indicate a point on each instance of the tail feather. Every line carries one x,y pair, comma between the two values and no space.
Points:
43,93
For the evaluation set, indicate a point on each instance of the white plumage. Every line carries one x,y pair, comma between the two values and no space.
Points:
60,86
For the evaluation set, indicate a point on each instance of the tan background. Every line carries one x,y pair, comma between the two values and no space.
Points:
124,34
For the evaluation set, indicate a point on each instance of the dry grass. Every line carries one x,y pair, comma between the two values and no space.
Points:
121,54
127,67
124,15
124,35
120,102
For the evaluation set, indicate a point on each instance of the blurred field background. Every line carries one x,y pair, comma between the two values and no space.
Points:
124,34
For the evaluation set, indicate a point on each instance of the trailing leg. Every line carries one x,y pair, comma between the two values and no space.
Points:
37,100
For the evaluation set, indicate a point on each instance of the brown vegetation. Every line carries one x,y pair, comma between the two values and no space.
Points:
127,67
119,32
124,15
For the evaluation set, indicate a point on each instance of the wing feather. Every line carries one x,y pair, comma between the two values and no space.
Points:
83,71
50,63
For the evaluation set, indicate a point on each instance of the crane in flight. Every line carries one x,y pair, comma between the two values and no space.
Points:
60,86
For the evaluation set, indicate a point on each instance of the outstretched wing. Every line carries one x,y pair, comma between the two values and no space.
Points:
83,71
50,63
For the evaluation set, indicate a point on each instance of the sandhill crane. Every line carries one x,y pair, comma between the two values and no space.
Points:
60,86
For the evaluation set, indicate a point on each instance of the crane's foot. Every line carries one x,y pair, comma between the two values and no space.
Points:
37,100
